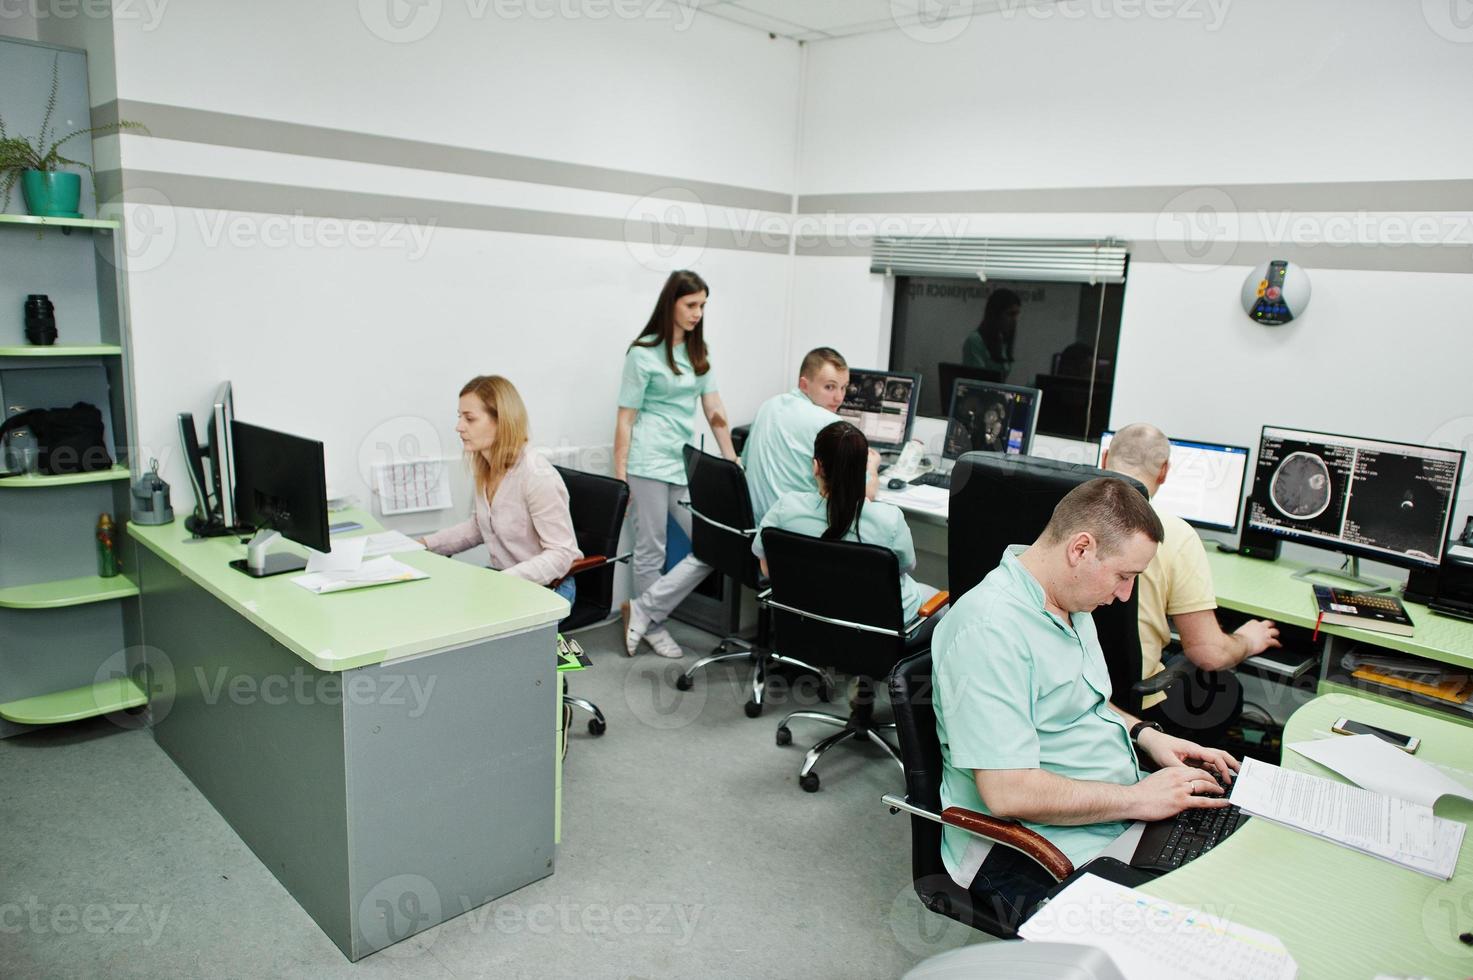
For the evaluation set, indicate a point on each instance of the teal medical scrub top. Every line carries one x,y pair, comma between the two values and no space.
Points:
778,456
666,403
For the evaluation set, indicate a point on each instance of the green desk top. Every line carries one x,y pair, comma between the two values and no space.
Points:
1266,589
458,604
1340,913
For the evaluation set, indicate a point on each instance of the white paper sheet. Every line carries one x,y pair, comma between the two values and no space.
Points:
389,543
1379,767
1386,827
346,556
376,571
1152,939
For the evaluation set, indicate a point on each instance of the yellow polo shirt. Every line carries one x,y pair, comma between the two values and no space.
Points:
1177,581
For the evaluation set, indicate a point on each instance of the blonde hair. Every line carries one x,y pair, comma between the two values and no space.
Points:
505,406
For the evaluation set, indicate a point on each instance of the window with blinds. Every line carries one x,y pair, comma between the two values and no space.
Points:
1035,259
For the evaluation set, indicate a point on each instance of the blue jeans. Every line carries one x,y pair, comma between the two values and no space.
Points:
568,589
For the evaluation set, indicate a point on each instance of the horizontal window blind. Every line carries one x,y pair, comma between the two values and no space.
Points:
1050,260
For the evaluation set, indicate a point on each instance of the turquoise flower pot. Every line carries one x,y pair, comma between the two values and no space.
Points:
52,193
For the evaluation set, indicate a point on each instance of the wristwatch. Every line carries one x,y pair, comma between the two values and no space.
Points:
1140,726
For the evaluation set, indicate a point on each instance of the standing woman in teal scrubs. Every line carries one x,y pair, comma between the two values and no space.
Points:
666,374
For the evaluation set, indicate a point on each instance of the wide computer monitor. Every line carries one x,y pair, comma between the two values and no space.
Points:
213,484
280,490
1369,498
882,404
1204,486
989,417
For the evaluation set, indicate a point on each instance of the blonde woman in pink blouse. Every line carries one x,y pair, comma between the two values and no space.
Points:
521,503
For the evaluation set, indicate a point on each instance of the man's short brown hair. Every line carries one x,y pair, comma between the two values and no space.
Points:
1109,509
815,359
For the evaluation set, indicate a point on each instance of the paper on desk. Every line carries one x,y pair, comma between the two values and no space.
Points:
1382,826
376,571
1148,938
1380,767
346,555
389,543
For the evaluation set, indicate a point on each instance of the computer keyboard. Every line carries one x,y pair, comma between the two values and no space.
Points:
933,479
1168,844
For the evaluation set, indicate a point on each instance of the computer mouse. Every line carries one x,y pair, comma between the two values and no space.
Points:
896,484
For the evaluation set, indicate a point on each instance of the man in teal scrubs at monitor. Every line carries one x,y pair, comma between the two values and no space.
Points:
1023,708
778,455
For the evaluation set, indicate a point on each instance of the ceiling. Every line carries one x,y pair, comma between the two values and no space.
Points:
819,20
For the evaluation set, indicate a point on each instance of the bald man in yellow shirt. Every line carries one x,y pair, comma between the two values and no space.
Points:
1176,589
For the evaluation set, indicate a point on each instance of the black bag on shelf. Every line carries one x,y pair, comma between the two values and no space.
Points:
68,440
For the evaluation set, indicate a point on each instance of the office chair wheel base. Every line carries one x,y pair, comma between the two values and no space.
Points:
684,683
809,782
753,709
597,726
784,735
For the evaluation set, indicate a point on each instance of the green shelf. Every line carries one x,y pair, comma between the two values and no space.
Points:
67,592
62,350
37,221
36,480
104,697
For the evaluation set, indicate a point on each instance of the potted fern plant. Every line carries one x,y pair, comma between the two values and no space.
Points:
36,164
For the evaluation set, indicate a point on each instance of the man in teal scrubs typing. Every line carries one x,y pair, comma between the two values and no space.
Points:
1023,706
778,455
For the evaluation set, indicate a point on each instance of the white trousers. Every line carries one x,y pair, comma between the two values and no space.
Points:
657,594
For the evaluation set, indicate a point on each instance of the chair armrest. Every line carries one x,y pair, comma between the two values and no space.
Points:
929,607
1174,670
588,563
1005,832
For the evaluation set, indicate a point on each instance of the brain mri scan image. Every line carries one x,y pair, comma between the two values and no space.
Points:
1301,486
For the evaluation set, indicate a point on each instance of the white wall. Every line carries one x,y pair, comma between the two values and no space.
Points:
1351,91
364,345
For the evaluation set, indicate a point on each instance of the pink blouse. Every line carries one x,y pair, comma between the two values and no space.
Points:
527,526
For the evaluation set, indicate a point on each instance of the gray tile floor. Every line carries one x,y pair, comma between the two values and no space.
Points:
688,850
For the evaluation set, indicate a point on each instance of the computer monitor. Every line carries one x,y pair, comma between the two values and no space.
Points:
1204,486
882,404
1369,498
281,490
989,417
214,492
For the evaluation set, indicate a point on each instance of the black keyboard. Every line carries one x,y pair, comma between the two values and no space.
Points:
1168,844
933,479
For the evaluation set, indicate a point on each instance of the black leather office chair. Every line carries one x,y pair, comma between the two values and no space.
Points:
722,530
999,500
837,603
920,752
597,504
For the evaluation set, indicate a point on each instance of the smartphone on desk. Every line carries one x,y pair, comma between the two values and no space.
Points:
1407,743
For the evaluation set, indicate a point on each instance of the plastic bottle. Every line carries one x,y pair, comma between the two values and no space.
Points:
107,547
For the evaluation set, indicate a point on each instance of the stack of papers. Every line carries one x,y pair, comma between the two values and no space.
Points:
378,571
1382,826
1372,764
1148,938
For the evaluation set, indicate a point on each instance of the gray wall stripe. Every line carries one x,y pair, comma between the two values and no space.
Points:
212,193
254,133
1366,258
1393,195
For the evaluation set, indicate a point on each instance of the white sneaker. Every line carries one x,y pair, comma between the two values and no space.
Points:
636,625
663,643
